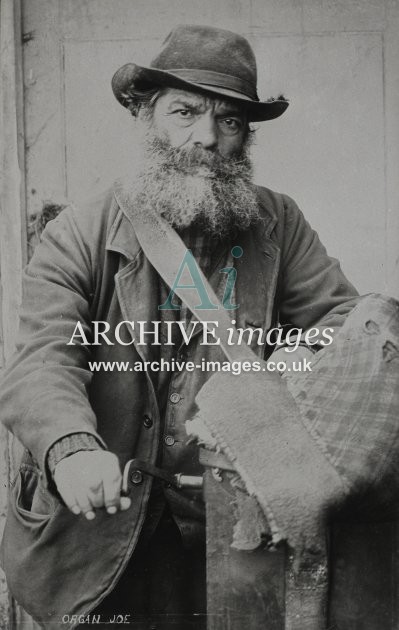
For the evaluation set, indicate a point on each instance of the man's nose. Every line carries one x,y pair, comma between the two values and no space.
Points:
205,133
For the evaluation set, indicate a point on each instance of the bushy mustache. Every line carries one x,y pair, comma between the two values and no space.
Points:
188,160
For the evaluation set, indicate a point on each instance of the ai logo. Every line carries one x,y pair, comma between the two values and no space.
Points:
189,264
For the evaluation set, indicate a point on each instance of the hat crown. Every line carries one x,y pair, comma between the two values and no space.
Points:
192,47
200,58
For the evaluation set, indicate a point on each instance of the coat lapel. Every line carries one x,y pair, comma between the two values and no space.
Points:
257,272
137,290
136,282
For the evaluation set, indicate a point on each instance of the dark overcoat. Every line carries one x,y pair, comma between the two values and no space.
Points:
88,267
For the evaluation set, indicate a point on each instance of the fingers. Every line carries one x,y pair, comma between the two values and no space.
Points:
90,480
84,504
66,492
112,488
124,503
75,498
96,493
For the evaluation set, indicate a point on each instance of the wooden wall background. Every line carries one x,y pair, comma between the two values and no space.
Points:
12,228
336,151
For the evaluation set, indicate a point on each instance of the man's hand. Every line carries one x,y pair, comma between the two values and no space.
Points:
88,480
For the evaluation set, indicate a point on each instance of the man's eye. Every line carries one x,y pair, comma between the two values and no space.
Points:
182,116
231,125
184,113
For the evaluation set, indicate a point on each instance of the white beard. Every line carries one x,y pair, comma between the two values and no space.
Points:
197,186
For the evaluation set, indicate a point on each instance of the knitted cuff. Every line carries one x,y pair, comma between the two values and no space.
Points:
69,445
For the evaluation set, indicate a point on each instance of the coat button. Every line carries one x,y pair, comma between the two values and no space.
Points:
147,422
136,477
175,397
169,440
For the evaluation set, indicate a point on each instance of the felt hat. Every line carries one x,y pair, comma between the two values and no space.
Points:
202,58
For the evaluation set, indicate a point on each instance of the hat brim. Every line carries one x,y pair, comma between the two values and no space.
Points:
131,76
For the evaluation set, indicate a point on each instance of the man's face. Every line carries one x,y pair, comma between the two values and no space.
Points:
187,120
195,167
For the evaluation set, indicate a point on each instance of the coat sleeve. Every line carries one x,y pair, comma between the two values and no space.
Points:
314,291
44,390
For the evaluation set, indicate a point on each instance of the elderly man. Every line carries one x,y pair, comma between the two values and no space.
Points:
75,547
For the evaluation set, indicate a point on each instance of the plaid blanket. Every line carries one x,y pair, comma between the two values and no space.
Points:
349,403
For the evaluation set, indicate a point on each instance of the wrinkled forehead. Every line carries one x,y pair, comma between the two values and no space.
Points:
201,102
